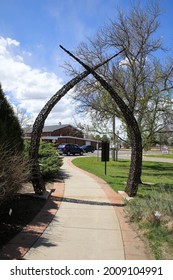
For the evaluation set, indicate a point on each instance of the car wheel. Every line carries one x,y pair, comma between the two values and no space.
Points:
68,153
81,153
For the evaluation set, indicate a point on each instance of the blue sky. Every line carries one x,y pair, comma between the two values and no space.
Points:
31,31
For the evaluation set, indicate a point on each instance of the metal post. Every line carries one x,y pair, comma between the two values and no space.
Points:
116,152
105,167
97,150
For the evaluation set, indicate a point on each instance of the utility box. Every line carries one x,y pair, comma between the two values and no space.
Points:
105,151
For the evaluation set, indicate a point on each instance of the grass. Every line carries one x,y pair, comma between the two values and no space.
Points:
161,242
116,171
151,198
154,173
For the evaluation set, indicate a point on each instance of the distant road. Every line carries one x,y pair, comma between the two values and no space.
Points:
121,154
125,154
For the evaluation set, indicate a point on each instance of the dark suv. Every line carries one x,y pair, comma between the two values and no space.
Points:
70,149
88,148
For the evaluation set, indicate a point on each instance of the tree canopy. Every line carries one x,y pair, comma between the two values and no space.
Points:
141,79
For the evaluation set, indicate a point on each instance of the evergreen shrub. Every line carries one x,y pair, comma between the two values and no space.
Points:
49,159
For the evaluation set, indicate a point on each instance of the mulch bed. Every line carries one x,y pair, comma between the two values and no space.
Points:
17,214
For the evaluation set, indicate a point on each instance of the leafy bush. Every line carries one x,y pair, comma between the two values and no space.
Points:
49,159
14,171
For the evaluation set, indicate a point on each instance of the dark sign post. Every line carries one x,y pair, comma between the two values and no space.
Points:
105,153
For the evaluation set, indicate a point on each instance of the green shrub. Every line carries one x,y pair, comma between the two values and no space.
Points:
10,130
49,160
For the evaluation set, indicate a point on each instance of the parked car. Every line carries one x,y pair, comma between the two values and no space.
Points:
70,149
88,148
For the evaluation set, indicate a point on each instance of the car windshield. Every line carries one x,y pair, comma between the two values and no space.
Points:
61,146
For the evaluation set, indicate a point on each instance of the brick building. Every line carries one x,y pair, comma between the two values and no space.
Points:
62,133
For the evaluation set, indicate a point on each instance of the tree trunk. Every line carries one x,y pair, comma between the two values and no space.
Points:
134,178
37,180
135,171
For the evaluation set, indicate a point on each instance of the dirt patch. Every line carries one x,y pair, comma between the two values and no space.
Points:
18,213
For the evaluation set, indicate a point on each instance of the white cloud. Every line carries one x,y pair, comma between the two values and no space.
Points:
10,42
124,62
30,87
6,43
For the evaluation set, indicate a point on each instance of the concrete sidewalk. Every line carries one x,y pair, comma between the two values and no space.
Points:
85,226
89,225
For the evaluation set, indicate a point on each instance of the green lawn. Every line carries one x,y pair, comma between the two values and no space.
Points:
156,173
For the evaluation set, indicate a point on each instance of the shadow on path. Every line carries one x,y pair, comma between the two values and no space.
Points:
89,202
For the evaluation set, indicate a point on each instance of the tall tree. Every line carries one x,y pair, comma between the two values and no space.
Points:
140,79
